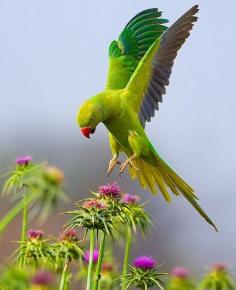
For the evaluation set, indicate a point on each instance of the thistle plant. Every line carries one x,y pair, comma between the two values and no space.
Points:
180,280
144,274
108,279
67,249
35,250
103,219
18,178
136,217
94,215
217,279
39,188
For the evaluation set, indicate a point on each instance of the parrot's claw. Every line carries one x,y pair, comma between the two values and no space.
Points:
129,161
112,164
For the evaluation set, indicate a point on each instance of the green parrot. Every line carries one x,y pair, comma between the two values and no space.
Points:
140,65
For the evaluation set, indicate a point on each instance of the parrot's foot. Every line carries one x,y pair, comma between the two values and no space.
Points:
130,161
112,164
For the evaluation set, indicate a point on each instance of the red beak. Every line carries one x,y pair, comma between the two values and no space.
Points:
86,131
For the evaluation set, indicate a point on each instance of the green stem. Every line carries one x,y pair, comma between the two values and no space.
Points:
63,283
99,263
90,266
127,254
24,229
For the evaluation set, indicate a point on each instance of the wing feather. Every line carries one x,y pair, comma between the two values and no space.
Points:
134,41
148,83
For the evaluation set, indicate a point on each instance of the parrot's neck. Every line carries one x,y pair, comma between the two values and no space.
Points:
109,103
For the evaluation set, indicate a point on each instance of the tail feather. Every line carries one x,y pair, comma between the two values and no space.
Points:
161,176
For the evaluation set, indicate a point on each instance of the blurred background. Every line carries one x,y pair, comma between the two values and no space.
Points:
53,55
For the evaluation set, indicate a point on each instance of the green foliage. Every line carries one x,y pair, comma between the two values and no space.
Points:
39,185
66,251
137,216
176,283
14,279
21,178
38,189
217,279
35,252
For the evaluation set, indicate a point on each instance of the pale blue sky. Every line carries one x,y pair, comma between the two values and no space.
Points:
53,55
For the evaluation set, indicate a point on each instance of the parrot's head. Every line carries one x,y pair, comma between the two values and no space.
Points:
89,116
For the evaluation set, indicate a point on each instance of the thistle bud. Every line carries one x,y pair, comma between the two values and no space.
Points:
54,175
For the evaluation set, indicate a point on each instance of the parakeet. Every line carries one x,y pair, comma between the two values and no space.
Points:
140,65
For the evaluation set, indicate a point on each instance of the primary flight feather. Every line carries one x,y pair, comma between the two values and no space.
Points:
140,65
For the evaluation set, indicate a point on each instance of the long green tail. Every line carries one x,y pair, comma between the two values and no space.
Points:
161,176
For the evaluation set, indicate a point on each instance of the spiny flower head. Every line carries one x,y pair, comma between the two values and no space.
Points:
68,247
70,235
94,204
110,190
23,160
219,267
54,174
44,278
130,198
93,213
35,234
144,262
95,256
144,274
180,272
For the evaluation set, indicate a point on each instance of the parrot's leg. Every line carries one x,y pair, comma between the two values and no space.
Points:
128,161
115,148
136,146
112,163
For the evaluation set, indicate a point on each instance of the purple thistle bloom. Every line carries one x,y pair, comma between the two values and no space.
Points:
23,160
95,256
43,278
110,190
144,262
130,198
35,234
180,272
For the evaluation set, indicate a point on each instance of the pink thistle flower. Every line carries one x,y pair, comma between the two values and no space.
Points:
95,256
130,198
23,160
219,267
70,235
180,272
144,263
94,203
35,234
43,278
110,190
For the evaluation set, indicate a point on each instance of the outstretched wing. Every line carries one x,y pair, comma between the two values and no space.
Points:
148,83
134,41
